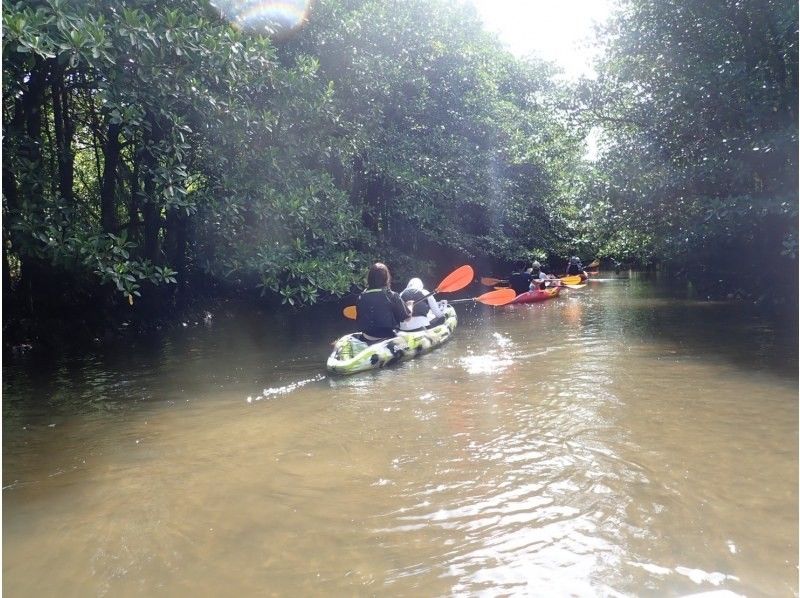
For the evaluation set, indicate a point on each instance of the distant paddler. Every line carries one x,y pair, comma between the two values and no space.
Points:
540,280
575,268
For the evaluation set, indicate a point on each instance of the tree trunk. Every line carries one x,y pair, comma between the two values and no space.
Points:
108,204
10,195
152,224
151,210
64,132
177,222
134,202
34,271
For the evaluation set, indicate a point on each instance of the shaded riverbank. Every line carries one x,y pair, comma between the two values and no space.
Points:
86,331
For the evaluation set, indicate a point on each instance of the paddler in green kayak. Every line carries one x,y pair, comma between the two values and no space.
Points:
425,311
379,309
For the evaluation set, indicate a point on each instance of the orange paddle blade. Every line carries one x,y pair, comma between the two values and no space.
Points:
594,264
456,280
499,297
490,282
350,312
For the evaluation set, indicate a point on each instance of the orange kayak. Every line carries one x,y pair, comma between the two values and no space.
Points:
537,295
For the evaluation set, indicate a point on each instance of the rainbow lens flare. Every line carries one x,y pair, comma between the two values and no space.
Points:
265,16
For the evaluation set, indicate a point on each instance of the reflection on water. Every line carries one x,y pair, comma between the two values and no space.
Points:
615,441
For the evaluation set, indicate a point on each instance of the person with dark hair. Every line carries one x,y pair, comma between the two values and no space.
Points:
520,280
576,268
539,278
379,309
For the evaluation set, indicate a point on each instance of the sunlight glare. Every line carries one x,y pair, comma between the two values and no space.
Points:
559,32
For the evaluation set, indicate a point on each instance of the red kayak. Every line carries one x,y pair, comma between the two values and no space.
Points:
537,295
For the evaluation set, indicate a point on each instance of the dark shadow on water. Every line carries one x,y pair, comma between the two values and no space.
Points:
750,336
245,349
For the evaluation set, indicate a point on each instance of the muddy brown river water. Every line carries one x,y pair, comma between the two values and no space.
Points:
620,440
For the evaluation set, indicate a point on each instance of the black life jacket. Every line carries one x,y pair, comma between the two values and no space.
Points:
574,269
421,308
376,314
520,282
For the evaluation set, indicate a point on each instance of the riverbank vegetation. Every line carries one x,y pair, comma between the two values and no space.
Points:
154,153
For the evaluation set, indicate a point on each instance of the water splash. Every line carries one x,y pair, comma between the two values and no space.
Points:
268,393
485,364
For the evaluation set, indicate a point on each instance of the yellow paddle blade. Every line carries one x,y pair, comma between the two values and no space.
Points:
456,280
571,279
350,312
498,297
594,264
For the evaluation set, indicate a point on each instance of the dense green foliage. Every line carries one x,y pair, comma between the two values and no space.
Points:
456,143
148,143
151,150
153,144
698,104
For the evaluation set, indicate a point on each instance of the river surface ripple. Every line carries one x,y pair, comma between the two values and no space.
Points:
617,441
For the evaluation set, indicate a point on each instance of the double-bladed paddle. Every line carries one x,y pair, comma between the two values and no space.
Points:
455,281
566,280
494,298
497,297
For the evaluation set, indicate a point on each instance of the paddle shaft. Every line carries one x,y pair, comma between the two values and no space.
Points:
425,297
456,280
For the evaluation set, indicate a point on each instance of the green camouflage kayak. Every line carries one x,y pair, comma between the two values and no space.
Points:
352,355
